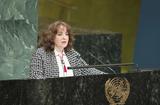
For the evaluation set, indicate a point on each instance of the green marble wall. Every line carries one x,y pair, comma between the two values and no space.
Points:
18,33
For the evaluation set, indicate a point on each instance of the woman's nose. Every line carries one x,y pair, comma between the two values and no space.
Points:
64,36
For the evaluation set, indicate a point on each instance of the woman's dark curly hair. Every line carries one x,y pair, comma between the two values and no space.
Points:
47,37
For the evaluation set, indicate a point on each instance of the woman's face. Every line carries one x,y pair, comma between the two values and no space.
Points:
61,38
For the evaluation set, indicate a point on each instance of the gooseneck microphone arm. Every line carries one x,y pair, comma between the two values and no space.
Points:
103,65
109,68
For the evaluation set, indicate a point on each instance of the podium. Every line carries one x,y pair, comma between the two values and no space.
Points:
83,90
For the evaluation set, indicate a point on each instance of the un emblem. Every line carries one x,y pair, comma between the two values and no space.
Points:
117,90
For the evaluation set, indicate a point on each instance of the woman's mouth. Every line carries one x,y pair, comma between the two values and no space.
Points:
64,42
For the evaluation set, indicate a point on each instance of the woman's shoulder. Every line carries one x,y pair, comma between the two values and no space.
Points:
73,52
40,50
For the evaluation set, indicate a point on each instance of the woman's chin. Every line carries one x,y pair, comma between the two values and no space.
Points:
64,46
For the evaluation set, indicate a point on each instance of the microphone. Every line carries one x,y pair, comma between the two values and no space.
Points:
118,65
98,66
102,62
105,65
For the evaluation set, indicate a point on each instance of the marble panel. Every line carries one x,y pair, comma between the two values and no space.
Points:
18,35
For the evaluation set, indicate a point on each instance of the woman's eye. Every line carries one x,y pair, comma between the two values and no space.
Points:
59,34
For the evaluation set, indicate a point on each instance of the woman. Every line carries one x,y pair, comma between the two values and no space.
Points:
55,54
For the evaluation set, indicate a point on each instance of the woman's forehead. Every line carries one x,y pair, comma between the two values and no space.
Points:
62,28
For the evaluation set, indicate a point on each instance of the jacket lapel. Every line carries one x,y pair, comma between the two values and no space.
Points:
73,60
55,67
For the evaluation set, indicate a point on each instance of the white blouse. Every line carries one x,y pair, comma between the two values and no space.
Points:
69,72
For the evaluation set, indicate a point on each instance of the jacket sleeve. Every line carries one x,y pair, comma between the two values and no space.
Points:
36,66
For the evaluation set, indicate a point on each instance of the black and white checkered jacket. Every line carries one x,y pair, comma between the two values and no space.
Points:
44,65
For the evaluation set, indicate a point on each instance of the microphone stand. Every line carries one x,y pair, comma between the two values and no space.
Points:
103,65
93,56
